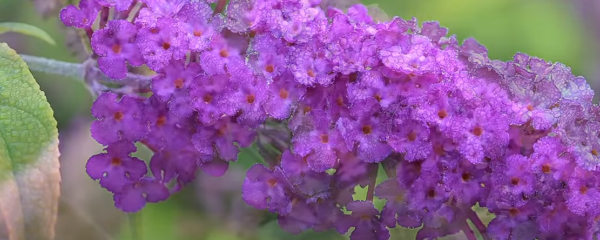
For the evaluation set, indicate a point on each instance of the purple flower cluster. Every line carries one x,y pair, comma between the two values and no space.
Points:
450,127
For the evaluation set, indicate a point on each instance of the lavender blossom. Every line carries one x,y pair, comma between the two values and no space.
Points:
450,127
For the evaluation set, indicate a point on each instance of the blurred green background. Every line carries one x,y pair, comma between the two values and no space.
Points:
550,29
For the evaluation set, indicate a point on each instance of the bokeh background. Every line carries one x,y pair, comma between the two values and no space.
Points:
211,209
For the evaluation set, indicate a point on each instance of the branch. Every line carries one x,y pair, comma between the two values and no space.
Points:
220,6
86,71
55,67
372,183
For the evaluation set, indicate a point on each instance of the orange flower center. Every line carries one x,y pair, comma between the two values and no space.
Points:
283,93
466,177
583,189
269,68
530,107
442,114
272,182
515,181
250,98
224,53
367,129
116,48
546,168
412,136
377,97
118,116
178,83
115,161
431,193
207,98
306,109
166,46
478,131
161,121
513,212
324,138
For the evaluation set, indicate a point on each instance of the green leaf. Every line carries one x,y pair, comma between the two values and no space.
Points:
27,30
29,167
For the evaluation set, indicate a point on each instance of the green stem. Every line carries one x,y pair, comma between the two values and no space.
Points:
134,223
88,72
45,65
267,218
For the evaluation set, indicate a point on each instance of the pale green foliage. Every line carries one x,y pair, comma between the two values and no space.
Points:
29,167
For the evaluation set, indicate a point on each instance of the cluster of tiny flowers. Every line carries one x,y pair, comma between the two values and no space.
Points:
450,127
